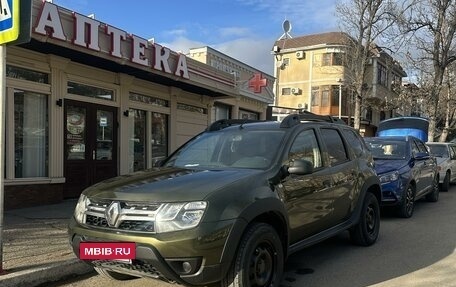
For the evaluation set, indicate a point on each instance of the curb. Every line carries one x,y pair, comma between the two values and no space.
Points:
46,273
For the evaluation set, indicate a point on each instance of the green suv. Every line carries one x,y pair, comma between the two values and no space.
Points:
229,206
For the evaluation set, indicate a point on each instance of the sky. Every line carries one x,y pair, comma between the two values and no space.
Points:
242,29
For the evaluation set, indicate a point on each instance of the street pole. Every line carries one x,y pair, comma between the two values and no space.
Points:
2,143
340,101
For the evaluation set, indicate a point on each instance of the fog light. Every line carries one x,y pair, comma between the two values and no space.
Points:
186,267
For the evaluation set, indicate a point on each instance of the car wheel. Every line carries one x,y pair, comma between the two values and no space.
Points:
259,259
408,203
365,233
114,275
446,182
434,195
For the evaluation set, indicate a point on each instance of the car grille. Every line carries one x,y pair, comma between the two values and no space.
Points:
131,216
136,268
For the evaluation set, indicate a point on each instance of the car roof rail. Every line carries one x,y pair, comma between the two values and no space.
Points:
221,124
294,119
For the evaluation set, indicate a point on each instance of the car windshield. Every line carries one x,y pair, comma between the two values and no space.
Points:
382,149
235,148
438,150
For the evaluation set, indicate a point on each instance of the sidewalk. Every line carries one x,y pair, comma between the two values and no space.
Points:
36,249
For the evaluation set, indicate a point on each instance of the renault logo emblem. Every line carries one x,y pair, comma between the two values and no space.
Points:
112,213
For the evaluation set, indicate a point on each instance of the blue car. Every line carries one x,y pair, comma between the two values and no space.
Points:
406,171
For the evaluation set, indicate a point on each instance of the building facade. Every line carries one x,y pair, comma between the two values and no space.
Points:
86,101
312,75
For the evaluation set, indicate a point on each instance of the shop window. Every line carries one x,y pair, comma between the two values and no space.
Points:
222,112
31,129
243,114
148,100
137,142
26,74
190,108
159,145
139,150
90,91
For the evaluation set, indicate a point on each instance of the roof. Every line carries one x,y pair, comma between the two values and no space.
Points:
329,38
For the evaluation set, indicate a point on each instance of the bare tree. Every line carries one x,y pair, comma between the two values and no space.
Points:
448,100
365,21
431,25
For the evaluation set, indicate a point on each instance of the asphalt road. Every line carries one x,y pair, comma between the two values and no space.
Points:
419,252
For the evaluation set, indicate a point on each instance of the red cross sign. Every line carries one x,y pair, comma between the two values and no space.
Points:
256,82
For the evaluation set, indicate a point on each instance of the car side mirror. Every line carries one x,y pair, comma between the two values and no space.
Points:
421,155
300,167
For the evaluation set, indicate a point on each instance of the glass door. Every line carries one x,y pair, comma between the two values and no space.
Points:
90,145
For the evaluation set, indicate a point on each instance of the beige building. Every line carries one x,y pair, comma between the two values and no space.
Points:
311,76
86,101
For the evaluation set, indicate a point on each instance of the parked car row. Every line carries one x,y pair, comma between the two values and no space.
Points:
229,206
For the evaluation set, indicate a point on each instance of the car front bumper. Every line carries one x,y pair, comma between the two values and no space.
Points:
392,192
162,256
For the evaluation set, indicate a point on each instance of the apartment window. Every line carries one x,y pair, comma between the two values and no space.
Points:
335,95
31,134
315,96
382,75
396,82
326,59
286,91
332,59
338,59
325,96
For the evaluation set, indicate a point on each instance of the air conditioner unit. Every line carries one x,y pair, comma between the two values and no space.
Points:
295,91
300,55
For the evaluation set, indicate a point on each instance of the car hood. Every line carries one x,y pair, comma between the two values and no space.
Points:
388,165
167,184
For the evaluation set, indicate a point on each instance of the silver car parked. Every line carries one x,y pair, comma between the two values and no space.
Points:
445,153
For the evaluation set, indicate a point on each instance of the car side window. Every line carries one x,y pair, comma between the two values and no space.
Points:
415,148
335,146
355,141
305,146
422,147
452,152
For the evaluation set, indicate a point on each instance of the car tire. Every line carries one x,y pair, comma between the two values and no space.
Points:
365,232
259,259
114,275
433,196
408,203
446,182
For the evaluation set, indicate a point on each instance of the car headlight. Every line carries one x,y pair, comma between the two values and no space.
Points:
179,216
81,207
389,177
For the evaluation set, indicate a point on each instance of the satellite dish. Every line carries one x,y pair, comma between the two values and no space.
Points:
286,26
